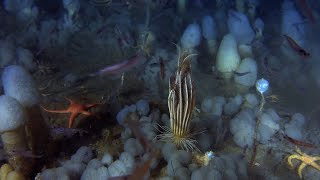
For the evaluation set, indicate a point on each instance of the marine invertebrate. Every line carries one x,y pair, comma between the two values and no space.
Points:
74,109
181,102
306,160
203,159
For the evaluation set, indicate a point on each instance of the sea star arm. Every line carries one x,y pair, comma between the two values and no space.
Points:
314,163
86,113
290,158
56,111
91,105
303,165
71,119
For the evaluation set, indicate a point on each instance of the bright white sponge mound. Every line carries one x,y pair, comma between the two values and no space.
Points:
19,84
12,114
228,58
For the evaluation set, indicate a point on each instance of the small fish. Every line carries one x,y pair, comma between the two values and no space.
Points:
241,73
296,47
306,10
24,153
118,68
56,132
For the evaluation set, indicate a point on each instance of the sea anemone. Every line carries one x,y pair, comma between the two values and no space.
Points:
181,102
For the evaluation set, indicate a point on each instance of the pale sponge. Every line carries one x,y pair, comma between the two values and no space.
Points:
191,37
246,74
12,114
12,120
18,83
228,58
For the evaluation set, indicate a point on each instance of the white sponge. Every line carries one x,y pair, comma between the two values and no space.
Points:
191,37
239,26
228,58
242,128
247,72
18,83
12,114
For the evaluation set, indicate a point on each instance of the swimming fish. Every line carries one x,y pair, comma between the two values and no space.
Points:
118,68
296,47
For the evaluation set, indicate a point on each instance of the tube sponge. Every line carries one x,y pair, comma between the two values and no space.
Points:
18,83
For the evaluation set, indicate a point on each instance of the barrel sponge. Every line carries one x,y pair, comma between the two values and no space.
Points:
18,83
12,114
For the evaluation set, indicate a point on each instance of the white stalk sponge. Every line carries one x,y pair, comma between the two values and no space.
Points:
228,58
19,84
12,114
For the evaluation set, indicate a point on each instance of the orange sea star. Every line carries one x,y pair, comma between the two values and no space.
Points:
74,109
